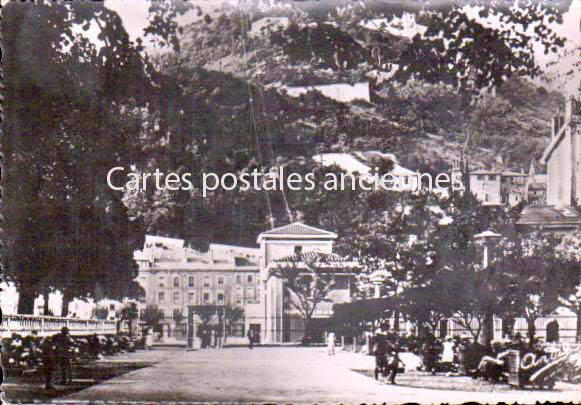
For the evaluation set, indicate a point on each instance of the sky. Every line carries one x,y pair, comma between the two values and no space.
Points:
134,14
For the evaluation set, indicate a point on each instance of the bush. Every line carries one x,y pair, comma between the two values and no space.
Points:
26,352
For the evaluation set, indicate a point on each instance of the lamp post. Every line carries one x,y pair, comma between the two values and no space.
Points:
487,237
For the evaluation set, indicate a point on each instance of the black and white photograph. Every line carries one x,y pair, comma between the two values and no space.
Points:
290,201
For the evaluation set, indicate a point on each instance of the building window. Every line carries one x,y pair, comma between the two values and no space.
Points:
485,196
238,278
161,296
176,282
221,281
161,314
250,293
220,298
480,177
239,293
206,281
161,280
176,297
191,282
206,297
491,177
298,250
249,279
191,298
177,313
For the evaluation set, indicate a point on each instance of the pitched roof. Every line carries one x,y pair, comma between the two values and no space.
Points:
297,229
312,255
483,171
511,173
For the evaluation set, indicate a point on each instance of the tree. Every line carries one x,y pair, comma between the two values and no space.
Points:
100,312
530,277
307,283
570,250
395,240
573,302
231,316
473,56
352,318
426,306
207,313
472,297
151,315
66,125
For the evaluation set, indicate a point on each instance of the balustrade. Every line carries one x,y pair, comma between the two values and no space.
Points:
48,325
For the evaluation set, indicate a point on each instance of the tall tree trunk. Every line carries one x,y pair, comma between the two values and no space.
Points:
508,323
307,336
396,316
578,334
26,299
45,296
67,297
531,331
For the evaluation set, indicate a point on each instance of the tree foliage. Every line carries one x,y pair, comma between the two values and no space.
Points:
472,55
308,284
67,122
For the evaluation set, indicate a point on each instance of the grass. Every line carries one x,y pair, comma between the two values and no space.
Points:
419,379
30,388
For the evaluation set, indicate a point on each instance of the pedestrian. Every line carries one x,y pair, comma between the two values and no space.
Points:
213,338
395,365
430,353
331,343
63,346
48,352
447,354
380,353
149,339
250,336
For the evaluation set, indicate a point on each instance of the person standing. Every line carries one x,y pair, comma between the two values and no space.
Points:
380,353
250,336
63,345
448,354
331,343
149,339
48,350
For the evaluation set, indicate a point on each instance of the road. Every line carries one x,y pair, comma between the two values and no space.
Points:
280,374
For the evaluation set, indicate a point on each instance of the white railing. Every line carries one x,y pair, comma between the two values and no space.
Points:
48,325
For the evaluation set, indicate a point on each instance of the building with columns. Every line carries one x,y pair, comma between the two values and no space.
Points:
175,277
293,245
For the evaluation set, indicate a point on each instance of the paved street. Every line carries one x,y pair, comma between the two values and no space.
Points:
280,374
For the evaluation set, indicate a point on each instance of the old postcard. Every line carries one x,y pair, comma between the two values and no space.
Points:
280,201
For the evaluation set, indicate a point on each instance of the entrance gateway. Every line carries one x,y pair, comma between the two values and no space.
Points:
206,324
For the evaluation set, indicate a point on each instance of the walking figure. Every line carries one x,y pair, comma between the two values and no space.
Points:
394,365
250,335
380,353
331,343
